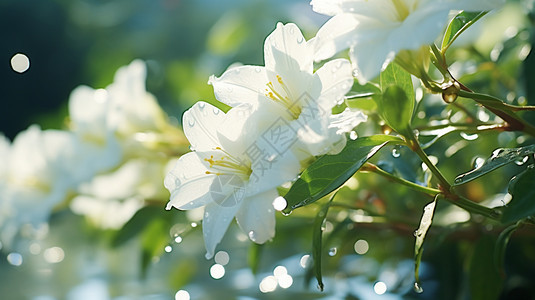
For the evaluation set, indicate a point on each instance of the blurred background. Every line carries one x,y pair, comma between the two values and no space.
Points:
160,254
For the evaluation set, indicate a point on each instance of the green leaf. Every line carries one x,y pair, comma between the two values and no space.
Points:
253,259
522,204
501,247
317,240
396,104
485,281
425,223
499,157
137,224
329,172
460,23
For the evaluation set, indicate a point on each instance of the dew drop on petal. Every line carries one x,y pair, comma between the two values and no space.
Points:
216,111
191,122
252,235
202,105
300,39
353,135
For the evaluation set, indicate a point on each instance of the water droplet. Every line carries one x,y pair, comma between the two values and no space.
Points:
191,122
280,203
252,235
333,251
292,30
396,152
216,111
353,135
286,213
418,288
521,161
202,105
417,233
469,137
459,179
300,39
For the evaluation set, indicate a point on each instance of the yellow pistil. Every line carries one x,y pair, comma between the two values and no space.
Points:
401,8
228,165
287,101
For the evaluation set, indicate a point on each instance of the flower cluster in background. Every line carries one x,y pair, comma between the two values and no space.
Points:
110,161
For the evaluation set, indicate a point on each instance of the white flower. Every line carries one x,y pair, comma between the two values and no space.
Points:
109,200
113,119
376,30
288,91
231,172
38,169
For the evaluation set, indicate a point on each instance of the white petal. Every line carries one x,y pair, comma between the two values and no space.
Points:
286,51
244,84
334,36
347,120
188,183
336,80
256,216
272,168
201,123
214,225
88,111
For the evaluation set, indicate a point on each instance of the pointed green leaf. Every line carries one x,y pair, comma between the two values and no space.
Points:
425,223
460,23
139,221
522,204
253,259
331,171
317,240
499,157
501,246
396,104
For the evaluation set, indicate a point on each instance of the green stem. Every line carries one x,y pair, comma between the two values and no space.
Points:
375,169
415,146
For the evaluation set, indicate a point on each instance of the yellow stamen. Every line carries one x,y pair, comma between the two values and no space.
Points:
274,95
227,165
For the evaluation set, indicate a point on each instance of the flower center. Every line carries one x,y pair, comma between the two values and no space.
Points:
401,9
228,165
284,97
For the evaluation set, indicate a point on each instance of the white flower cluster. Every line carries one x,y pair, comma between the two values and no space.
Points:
42,168
280,118
281,113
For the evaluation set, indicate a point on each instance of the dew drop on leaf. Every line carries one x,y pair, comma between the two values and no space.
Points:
333,251
521,161
395,152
